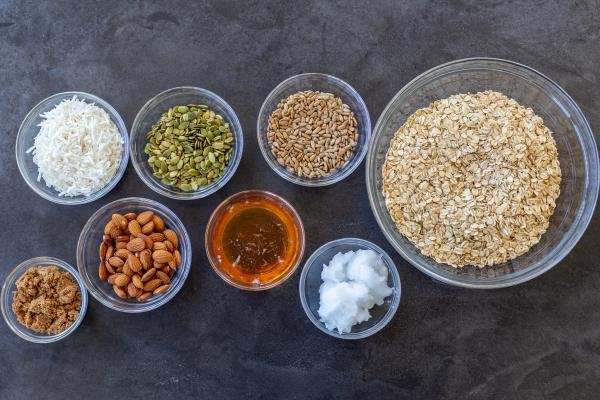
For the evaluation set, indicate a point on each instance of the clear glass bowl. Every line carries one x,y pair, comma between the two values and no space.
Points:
323,83
577,153
258,281
310,282
9,287
29,130
88,261
150,114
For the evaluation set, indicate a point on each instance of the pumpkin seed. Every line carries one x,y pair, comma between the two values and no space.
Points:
189,147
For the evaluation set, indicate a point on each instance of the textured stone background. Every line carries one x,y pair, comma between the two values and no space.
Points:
540,340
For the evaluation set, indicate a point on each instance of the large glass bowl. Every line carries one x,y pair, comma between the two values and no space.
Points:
150,114
322,83
29,130
88,259
9,287
577,151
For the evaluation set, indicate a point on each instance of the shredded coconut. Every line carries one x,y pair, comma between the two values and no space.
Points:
78,148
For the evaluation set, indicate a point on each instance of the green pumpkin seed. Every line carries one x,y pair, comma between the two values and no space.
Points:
189,147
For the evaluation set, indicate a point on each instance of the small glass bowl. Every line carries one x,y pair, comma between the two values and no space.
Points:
150,114
29,130
310,282
211,232
322,83
88,261
577,154
9,287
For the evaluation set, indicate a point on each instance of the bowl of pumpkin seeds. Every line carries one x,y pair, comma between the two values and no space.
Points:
186,143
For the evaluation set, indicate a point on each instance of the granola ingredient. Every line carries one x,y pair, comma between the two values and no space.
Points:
312,133
140,268
472,179
47,300
78,148
353,283
189,147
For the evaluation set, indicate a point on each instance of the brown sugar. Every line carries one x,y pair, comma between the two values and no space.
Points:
47,300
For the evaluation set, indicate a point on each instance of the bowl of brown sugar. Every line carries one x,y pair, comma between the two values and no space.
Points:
43,300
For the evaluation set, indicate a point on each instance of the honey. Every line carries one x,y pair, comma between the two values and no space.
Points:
254,240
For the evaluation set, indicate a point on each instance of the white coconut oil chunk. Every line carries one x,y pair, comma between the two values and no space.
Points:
353,283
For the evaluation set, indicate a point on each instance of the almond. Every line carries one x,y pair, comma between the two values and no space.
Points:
163,277
148,275
144,217
115,232
158,265
137,281
171,237
119,221
161,289
162,256
122,254
132,290
109,268
123,238
158,246
106,238
171,273
121,245
127,269
169,246
157,237
152,284
134,227
108,227
110,252
120,292
172,264
177,258
146,258
165,269
144,296
121,279
111,279
146,239
102,250
137,244
134,263
148,228
130,216
159,224
115,262
102,271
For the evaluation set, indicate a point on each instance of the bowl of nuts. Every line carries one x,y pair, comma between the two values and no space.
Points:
186,143
134,255
313,129
482,173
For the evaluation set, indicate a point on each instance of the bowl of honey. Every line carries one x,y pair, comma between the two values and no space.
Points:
254,240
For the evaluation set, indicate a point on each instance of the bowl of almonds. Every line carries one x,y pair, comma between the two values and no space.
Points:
134,255
313,129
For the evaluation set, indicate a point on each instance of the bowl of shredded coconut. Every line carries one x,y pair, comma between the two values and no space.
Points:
72,148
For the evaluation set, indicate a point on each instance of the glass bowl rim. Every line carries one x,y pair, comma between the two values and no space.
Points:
33,113
337,175
590,161
392,269
287,206
21,330
140,307
231,168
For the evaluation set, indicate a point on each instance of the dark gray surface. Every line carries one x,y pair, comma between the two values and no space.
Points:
540,340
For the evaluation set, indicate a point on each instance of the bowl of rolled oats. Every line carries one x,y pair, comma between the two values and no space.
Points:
313,129
482,173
